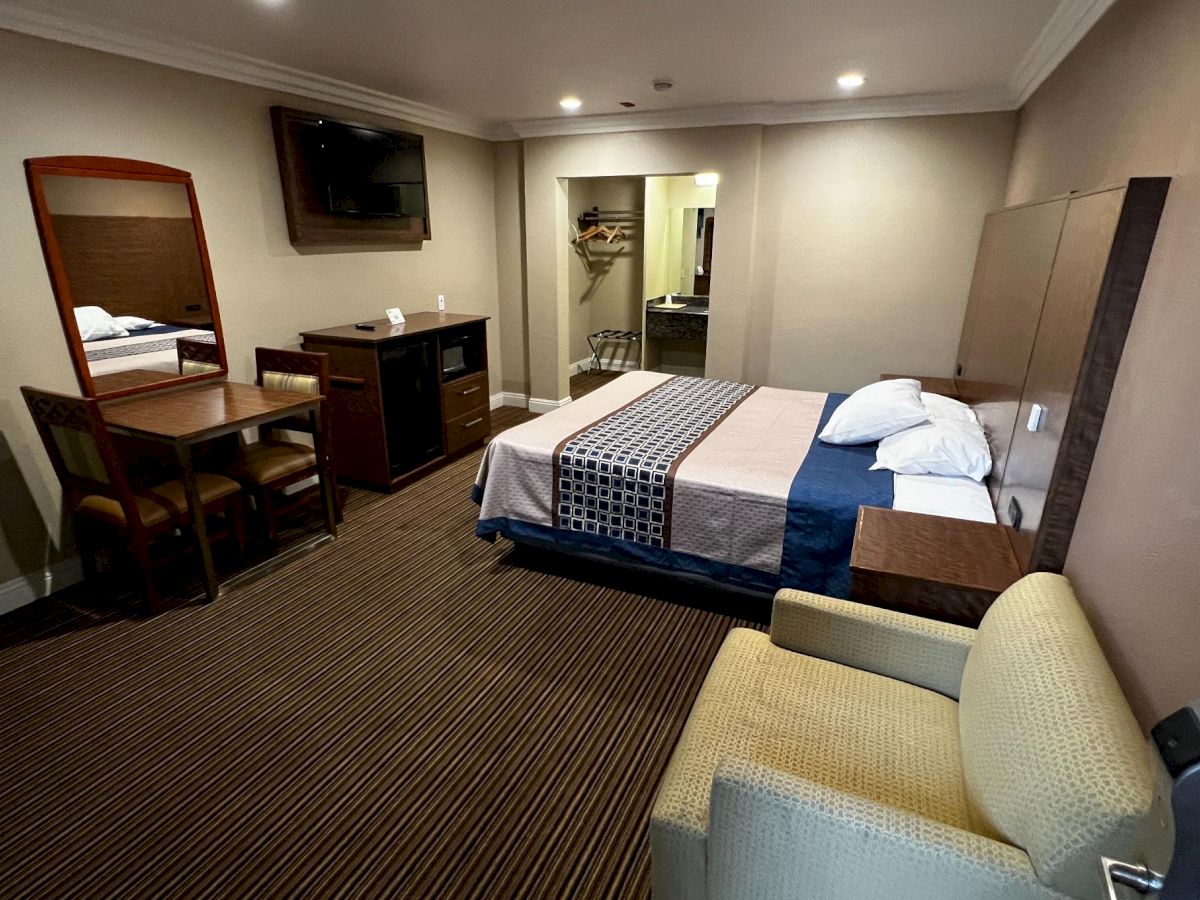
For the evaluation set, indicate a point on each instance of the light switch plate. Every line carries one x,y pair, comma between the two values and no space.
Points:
1037,413
441,302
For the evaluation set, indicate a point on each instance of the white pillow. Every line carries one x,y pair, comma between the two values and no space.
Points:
942,408
133,323
95,324
946,447
875,411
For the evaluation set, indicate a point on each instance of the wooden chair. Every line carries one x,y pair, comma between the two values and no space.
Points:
98,494
197,357
269,465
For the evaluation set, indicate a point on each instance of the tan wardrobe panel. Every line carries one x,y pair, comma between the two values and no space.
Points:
1054,367
1012,270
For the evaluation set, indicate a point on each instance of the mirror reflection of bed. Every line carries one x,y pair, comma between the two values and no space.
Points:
130,255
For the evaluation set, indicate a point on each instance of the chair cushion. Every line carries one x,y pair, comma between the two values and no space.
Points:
1053,756
854,731
197,367
159,503
266,461
290,381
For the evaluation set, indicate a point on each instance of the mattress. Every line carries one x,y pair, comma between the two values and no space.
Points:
698,476
153,349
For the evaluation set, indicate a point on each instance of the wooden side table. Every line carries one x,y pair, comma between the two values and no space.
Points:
933,566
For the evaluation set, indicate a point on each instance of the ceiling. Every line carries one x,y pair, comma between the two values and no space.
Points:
498,69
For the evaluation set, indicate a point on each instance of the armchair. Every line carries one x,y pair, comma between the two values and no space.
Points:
856,753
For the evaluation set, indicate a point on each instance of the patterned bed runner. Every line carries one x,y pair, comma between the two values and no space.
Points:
615,478
137,349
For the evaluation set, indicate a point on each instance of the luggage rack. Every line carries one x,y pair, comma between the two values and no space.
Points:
596,339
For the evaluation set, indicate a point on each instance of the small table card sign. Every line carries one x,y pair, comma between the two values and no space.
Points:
395,316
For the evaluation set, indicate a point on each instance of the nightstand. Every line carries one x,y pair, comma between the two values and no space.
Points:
933,566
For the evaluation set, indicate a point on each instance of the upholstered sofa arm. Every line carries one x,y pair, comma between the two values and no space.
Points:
924,652
773,835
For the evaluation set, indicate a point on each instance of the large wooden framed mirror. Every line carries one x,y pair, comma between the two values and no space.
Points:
125,251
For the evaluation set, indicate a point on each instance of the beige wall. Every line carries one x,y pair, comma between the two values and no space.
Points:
845,249
657,232
1125,103
58,99
867,233
731,151
510,266
605,279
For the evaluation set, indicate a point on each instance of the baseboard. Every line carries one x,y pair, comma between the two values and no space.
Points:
539,405
511,398
20,591
608,363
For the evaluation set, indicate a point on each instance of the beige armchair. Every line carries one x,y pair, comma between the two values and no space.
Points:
859,753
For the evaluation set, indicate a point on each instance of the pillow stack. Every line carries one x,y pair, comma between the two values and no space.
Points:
95,324
876,411
918,433
134,323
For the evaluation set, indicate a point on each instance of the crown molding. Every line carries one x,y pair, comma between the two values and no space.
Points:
206,60
901,106
1070,21
1064,30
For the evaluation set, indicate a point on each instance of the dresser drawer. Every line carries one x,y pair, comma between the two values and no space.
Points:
465,395
467,430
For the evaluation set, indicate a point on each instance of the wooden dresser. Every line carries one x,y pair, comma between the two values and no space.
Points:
404,398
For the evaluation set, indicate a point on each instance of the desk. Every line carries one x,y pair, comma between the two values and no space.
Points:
185,417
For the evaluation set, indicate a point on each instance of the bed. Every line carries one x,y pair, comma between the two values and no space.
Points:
151,349
700,477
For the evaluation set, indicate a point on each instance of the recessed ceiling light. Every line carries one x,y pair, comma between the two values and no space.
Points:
708,179
570,103
851,80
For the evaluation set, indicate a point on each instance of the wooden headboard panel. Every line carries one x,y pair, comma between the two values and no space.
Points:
1051,302
1012,269
133,265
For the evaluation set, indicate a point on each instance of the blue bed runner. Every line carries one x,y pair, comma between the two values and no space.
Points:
830,485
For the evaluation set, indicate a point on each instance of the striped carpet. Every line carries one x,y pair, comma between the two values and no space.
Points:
407,712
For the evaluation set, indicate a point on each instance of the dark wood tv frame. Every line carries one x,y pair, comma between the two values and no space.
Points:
310,223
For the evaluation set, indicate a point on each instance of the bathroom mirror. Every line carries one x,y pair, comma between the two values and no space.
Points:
689,250
125,251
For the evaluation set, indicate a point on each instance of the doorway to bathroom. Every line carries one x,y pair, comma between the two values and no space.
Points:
680,225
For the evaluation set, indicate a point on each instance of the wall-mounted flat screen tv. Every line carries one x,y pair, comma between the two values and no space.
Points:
369,172
350,182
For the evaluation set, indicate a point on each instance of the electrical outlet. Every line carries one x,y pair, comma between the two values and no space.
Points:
1014,513
441,302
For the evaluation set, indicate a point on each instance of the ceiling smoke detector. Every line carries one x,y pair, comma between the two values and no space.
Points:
662,84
